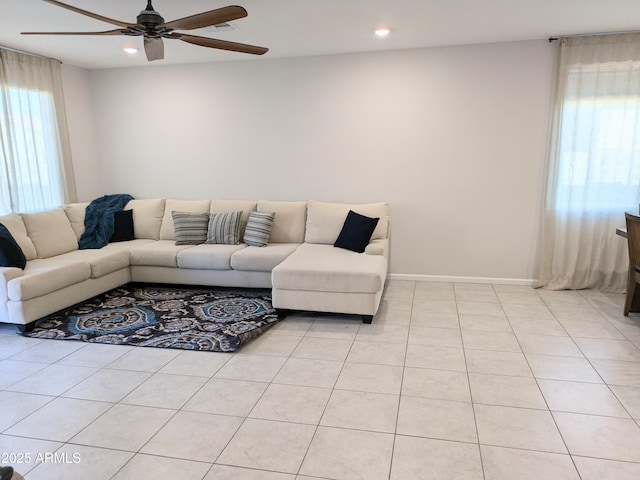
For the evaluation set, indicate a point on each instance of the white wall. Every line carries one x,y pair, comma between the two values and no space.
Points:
453,138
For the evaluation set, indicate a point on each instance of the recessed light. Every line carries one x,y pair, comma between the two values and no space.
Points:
130,50
382,32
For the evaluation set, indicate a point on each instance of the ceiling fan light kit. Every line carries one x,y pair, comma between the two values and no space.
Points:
152,27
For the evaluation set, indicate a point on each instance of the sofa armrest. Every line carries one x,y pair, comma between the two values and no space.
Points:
6,274
378,247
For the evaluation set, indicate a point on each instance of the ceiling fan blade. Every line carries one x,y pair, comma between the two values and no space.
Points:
154,48
108,32
205,19
91,14
220,44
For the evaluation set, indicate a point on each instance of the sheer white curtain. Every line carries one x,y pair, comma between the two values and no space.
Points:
594,162
35,159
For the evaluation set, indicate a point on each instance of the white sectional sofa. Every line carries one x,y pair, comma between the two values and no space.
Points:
300,264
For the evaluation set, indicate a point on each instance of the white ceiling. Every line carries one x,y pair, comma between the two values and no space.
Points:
308,27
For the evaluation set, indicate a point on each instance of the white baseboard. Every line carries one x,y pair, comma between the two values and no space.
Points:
529,282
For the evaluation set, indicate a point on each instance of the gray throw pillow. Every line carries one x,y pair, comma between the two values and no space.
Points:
190,228
259,228
224,228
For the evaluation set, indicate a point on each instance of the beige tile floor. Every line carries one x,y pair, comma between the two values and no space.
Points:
451,381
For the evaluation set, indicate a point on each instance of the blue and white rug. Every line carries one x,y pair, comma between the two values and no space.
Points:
163,316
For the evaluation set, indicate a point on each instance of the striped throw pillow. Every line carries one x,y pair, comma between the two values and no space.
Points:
224,228
190,228
258,228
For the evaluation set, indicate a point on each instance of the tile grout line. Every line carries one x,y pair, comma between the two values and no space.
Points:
404,366
137,452
246,417
636,420
555,422
589,360
317,427
473,409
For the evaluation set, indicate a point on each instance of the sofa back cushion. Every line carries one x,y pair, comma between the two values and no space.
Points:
18,231
50,232
230,206
325,220
147,217
75,213
167,231
289,222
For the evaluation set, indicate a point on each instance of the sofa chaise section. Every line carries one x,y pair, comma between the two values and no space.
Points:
321,277
324,278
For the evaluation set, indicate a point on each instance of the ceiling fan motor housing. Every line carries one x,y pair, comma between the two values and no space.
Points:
149,18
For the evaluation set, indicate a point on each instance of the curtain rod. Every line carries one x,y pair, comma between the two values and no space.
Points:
553,39
28,53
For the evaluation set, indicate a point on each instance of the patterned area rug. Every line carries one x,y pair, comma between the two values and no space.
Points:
169,317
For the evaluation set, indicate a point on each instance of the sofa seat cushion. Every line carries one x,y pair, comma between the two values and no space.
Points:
262,259
128,245
163,253
46,276
325,268
209,256
101,261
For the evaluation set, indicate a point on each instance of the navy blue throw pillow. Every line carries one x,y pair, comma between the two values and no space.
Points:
11,254
356,232
122,226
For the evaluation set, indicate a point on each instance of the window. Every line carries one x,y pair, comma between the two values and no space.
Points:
594,162
35,160
32,181
599,149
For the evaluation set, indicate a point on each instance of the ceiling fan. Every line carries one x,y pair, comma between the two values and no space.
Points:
153,28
